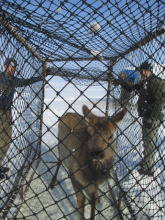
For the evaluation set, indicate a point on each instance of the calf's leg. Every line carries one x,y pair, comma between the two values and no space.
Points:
51,186
93,201
80,199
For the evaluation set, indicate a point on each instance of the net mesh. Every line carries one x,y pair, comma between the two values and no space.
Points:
82,46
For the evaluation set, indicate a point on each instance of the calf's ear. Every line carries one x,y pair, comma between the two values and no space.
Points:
118,116
85,110
87,113
90,118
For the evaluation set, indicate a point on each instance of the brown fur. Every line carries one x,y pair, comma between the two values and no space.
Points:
86,148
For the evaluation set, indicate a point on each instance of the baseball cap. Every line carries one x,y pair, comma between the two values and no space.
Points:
10,61
146,66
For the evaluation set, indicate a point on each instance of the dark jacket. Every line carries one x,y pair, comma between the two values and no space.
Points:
8,87
151,96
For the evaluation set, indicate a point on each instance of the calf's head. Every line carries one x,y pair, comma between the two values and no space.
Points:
101,142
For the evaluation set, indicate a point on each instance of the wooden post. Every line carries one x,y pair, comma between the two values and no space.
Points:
17,36
109,87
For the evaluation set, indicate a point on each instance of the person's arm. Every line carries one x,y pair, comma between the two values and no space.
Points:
129,88
18,82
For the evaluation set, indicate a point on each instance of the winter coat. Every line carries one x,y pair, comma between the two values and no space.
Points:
8,87
151,96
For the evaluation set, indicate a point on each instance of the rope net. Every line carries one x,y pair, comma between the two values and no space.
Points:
26,112
76,49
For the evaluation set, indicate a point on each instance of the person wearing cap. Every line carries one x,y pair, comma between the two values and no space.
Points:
151,92
8,84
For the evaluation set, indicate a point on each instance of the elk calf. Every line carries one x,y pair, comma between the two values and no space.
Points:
86,148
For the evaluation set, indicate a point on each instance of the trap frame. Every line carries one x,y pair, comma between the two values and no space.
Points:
55,38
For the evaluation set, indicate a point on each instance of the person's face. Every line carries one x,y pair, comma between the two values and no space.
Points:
10,70
145,74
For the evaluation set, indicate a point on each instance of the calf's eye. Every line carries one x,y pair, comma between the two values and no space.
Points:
111,137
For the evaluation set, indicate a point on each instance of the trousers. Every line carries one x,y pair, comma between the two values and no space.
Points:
149,143
5,132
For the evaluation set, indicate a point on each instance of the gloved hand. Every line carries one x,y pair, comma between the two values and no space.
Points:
2,176
3,170
122,83
148,123
116,82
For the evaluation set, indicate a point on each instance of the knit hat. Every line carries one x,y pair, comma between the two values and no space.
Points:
10,62
146,66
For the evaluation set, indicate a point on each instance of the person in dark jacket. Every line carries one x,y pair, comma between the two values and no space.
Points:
151,92
8,84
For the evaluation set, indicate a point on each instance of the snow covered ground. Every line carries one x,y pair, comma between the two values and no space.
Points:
145,194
